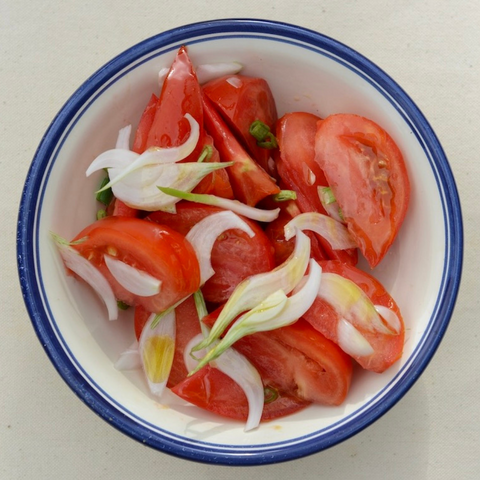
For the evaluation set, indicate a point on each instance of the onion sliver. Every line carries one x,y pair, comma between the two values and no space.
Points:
114,158
329,203
334,232
140,188
239,369
390,317
129,359
160,156
204,234
123,139
90,274
157,348
257,288
351,303
351,341
233,205
132,279
276,311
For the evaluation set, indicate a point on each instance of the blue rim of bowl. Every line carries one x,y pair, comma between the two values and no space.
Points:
37,304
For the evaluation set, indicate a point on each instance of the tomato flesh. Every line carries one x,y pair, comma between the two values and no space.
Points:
242,100
322,316
235,255
158,250
300,172
367,173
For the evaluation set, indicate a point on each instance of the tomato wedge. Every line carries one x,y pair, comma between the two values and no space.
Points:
367,173
276,233
181,94
242,100
322,316
300,172
297,360
235,255
214,391
158,250
250,183
144,125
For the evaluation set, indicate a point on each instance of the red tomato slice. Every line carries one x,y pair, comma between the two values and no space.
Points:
250,183
145,124
387,348
216,183
216,392
367,174
300,172
241,100
156,249
297,360
276,233
235,255
180,94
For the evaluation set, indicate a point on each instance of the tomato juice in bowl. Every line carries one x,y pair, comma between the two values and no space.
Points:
308,72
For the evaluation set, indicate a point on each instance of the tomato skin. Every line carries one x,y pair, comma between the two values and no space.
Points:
276,233
367,173
156,249
387,348
242,102
297,360
300,172
250,183
216,183
216,392
235,255
181,94
144,125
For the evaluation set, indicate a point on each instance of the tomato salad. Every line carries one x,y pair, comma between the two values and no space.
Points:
234,235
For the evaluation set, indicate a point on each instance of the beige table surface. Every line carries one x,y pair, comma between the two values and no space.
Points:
47,48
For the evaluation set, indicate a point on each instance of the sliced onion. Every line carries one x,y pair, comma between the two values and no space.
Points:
132,279
157,348
351,341
239,369
123,139
204,234
115,158
140,189
160,156
209,71
329,203
276,311
257,288
233,205
90,274
129,359
351,303
390,317
334,232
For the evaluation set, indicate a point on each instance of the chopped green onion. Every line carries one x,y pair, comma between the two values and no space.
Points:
270,394
206,154
233,205
101,214
122,305
326,195
160,315
104,196
262,133
285,195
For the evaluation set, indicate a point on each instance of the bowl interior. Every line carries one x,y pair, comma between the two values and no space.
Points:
306,72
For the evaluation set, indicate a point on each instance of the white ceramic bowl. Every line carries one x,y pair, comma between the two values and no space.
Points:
306,71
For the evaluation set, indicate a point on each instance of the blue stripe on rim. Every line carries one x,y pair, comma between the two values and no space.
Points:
37,302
